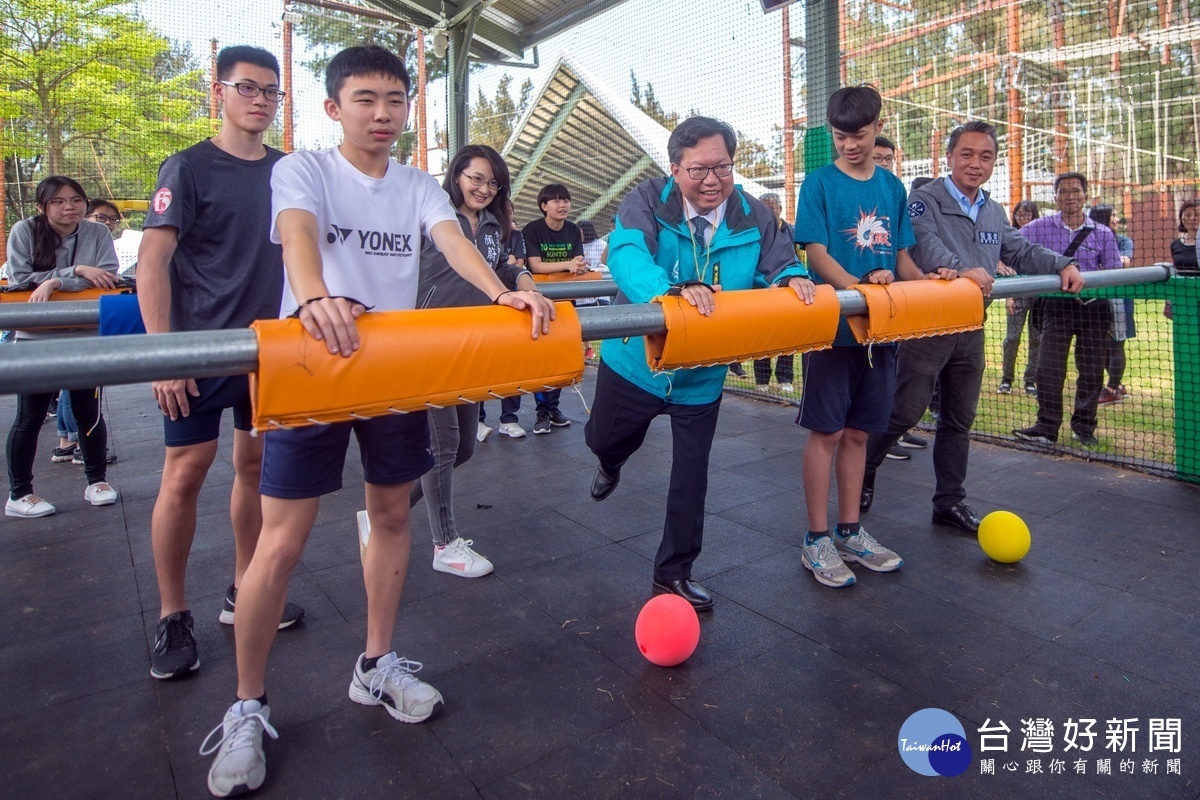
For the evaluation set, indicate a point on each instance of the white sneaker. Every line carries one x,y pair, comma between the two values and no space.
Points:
457,558
393,685
240,765
864,549
364,533
512,429
826,564
100,494
482,432
29,507
787,388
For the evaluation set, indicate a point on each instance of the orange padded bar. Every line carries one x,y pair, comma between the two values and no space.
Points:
753,323
409,361
915,309
557,277
86,294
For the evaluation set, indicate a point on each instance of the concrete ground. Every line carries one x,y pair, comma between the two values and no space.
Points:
796,690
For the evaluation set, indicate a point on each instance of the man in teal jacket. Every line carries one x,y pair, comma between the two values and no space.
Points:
692,234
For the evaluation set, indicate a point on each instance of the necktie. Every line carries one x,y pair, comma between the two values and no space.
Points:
701,225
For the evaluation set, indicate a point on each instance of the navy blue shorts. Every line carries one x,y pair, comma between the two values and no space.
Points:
843,388
307,462
203,422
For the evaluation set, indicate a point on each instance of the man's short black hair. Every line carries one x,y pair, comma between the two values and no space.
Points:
364,60
230,57
884,142
692,130
552,191
853,108
974,126
1070,176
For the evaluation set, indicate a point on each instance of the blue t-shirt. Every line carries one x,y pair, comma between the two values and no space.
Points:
863,224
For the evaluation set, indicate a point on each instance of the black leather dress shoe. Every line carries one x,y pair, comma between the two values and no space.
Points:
868,492
604,482
689,590
960,515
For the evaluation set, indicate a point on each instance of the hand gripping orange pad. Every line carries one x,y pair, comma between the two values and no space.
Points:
915,309
752,323
556,277
409,361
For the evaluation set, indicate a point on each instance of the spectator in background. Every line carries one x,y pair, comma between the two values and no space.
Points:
57,250
1183,247
104,212
553,244
1018,309
477,182
785,366
884,154
1093,247
1122,309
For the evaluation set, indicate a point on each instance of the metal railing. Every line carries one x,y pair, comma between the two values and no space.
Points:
83,362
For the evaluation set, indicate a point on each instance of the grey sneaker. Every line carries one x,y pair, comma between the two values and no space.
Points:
393,685
240,765
827,566
863,549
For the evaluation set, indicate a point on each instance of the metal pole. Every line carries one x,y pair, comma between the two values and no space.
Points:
81,313
80,363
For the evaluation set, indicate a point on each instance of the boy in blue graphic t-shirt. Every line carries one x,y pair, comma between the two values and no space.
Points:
852,223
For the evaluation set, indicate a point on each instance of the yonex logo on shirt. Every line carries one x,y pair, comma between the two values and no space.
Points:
374,242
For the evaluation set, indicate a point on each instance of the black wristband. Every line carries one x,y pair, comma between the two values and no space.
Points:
496,299
299,308
678,288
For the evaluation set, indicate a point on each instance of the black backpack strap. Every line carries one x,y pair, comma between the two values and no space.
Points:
1077,241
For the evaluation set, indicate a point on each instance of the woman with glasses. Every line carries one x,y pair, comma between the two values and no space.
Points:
478,184
104,212
57,250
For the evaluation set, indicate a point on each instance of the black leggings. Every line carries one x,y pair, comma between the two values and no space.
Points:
23,438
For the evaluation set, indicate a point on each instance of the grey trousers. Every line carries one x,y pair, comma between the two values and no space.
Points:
452,440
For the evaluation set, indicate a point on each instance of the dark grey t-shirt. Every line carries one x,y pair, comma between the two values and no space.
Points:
226,273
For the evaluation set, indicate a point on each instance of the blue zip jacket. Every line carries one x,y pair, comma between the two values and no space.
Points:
651,249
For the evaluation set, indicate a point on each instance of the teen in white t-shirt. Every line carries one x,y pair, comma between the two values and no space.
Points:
344,219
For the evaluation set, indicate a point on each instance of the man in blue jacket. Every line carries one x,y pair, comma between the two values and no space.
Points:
690,234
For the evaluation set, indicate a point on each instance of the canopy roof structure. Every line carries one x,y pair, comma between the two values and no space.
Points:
580,133
504,29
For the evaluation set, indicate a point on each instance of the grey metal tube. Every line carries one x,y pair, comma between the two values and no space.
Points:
578,290
58,314
72,313
80,363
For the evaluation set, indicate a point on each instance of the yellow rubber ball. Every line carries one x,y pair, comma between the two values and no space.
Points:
1004,537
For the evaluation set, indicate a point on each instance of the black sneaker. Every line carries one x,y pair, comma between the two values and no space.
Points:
897,454
559,419
62,455
913,442
292,613
174,652
1085,439
543,424
1034,434
77,457
1031,388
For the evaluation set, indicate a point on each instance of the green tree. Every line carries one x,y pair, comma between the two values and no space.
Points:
492,119
83,77
647,102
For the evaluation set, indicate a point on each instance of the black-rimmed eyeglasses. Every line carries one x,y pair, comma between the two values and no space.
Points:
700,173
250,90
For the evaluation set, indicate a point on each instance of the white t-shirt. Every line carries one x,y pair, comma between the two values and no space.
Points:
369,228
